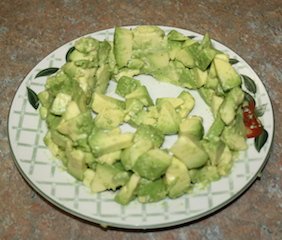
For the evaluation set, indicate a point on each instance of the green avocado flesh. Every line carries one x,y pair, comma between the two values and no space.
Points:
85,123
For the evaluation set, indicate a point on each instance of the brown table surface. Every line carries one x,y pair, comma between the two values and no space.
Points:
29,30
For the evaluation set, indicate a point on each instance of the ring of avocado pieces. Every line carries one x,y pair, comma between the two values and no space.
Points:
134,164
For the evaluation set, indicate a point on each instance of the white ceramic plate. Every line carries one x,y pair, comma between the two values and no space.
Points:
46,175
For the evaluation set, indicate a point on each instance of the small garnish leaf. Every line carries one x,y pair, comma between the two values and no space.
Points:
69,53
261,140
32,98
250,84
47,72
233,61
260,110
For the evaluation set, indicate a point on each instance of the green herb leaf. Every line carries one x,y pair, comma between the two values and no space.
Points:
260,110
46,72
250,84
32,98
233,61
68,53
261,140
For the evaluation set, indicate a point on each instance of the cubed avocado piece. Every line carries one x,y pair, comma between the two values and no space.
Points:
225,162
175,102
190,152
53,147
128,72
206,94
60,103
76,164
45,99
106,141
103,52
204,175
230,104
71,111
132,107
206,41
109,118
109,158
147,116
78,127
204,58
152,164
177,178
185,57
149,134
142,94
176,36
87,44
126,85
151,191
108,177
88,177
215,129
59,139
123,41
216,102
193,78
227,75
168,119
155,61
133,152
173,48
192,127
214,148
188,104
128,192
103,75
148,37
135,63
101,102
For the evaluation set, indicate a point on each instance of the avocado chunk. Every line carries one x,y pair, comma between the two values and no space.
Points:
123,41
108,177
151,191
152,164
109,118
109,158
204,175
106,141
128,191
227,75
192,127
103,75
76,164
177,178
126,85
188,104
101,102
190,152
214,149
193,78
215,129
141,93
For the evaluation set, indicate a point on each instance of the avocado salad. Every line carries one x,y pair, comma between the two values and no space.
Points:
85,123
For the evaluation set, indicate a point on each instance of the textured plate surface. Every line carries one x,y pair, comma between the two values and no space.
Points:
47,176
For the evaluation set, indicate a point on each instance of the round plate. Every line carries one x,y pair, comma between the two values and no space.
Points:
47,176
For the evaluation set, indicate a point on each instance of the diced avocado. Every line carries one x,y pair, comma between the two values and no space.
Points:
149,134
135,63
76,164
133,152
216,102
152,164
78,127
227,75
53,120
190,152
177,178
87,44
175,102
215,129
188,104
142,94
54,148
204,175
204,58
106,141
103,52
151,191
230,104
185,56
206,94
192,127
109,158
101,102
206,41
109,118
193,78
59,139
176,36
155,61
168,119
214,149
225,162
103,75
60,103
126,85
147,116
106,177
128,191
173,48
88,177
123,41
234,135
148,37
126,72
71,111
222,56
132,107
45,98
